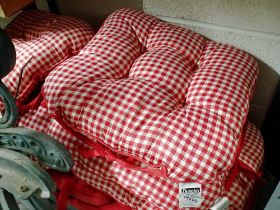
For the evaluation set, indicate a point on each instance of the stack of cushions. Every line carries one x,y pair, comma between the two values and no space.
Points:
146,106
42,40
141,190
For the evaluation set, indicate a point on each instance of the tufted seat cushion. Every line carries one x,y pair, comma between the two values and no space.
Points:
140,190
157,93
42,40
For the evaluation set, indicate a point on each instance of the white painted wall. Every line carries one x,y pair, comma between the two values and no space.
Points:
258,15
252,25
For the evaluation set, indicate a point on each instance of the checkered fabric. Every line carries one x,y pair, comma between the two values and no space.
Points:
239,191
158,93
223,84
253,149
42,40
251,158
140,190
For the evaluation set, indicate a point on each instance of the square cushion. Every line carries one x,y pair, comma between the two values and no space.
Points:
156,93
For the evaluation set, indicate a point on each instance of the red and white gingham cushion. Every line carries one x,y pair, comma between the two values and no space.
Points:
158,93
46,39
253,149
140,190
239,191
251,157
223,83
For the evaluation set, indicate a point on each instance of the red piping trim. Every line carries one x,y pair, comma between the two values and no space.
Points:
34,104
235,168
99,150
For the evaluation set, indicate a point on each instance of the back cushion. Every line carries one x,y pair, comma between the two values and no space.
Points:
42,40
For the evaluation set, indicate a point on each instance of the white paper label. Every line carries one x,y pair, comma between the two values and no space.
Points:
190,195
221,204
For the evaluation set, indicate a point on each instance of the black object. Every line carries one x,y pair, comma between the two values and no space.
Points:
7,63
7,54
271,134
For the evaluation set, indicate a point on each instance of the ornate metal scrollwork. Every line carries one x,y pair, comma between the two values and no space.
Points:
45,148
23,177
